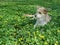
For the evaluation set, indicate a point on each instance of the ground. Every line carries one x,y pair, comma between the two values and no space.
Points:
16,29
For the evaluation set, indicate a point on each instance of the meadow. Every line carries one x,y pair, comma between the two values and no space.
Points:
16,29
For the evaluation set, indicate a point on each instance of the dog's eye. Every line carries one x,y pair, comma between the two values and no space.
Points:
39,12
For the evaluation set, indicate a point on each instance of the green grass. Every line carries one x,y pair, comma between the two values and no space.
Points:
15,29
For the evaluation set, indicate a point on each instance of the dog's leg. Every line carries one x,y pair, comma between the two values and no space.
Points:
35,25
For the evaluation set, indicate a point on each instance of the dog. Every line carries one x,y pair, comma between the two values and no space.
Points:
42,17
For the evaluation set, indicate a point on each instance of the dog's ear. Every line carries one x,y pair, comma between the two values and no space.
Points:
38,7
45,11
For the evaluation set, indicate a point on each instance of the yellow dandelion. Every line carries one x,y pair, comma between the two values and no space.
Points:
20,39
14,34
56,41
55,44
15,43
35,37
37,31
42,36
28,32
45,43
37,43
58,31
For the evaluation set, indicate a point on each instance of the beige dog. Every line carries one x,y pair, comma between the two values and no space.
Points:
42,17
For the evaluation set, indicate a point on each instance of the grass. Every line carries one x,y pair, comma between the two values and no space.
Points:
15,29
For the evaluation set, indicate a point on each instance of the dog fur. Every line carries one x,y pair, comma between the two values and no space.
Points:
42,17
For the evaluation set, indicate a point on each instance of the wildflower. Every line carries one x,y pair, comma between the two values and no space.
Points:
45,43
20,39
15,43
28,32
35,37
58,31
37,43
55,44
42,36
37,31
56,41
14,34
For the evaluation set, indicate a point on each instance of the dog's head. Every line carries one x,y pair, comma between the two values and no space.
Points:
42,10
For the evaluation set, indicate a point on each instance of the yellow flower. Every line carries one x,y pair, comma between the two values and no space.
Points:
56,41
58,31
15,43
28,32
45,43
35,37
42,36
55,44
37,31
20,39
14,34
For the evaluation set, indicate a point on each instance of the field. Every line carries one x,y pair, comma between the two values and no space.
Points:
16,29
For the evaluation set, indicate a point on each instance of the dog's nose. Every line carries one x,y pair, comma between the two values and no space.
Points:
39,12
